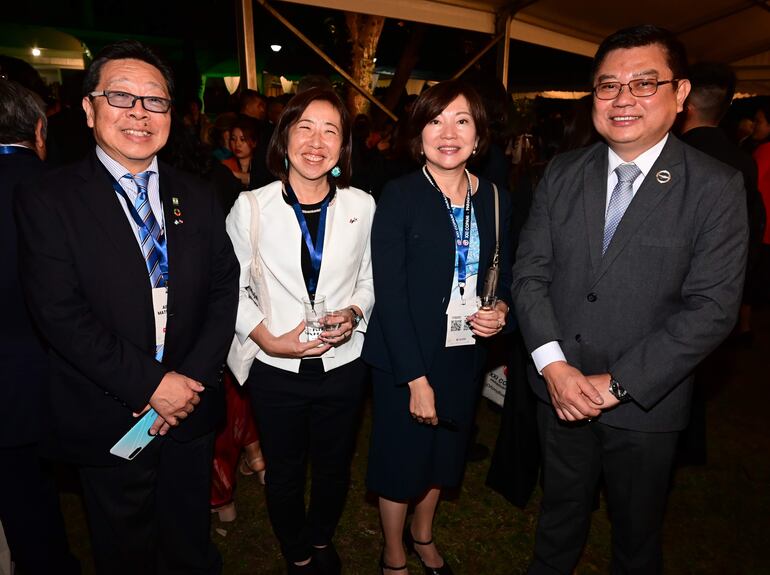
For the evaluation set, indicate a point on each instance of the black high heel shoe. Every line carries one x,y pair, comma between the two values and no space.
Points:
410,542
384,565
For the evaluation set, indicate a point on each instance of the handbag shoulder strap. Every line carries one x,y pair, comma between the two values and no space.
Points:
497,224
254,235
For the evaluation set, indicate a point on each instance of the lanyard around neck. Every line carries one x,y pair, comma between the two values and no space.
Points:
315,249
9,150
462,240
159,242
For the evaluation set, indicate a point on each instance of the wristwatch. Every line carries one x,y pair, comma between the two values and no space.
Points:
356,318
618,391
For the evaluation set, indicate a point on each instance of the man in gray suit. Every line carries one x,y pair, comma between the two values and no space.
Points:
629,272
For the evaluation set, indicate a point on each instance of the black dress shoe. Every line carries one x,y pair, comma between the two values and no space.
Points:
410,543
327,560
306,569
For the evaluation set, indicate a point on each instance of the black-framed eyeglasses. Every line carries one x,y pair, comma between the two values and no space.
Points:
120,99
641,88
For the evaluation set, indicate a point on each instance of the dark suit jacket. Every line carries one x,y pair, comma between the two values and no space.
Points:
663,296
22,359
86,283
413,263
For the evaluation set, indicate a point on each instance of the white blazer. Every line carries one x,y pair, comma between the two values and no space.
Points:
346,271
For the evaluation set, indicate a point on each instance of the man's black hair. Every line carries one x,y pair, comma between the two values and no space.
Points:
19,114
126,50
644,35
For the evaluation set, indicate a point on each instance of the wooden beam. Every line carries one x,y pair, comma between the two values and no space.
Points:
246,48
309,43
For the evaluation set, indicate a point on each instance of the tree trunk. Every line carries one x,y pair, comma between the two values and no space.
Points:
365,33
406,64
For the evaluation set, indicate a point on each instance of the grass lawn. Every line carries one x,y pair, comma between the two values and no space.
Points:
718,519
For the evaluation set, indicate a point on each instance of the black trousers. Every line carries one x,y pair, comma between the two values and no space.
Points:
636,468
30,514
151,515
310,416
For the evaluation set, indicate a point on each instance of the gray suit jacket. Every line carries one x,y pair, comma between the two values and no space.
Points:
664,295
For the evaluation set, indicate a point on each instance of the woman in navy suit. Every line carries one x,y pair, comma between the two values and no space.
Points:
433,239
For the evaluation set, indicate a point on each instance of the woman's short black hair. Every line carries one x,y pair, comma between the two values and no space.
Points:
279,143
433,101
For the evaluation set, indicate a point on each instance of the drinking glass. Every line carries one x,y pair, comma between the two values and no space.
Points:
315,312
329,324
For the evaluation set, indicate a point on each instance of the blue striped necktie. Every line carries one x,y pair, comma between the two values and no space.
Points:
151,228
621,196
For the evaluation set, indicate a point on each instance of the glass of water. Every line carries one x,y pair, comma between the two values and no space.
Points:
315,313
333,320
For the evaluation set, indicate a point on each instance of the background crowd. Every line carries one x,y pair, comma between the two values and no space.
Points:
331,170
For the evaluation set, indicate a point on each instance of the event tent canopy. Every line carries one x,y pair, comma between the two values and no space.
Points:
732,31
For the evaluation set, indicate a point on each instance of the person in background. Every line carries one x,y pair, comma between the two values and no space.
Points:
254,105
219,135
762,158
275,106
29,505
760,132
713,86
424,342
236,446
195,121
313,243
243,145
132,282
629,273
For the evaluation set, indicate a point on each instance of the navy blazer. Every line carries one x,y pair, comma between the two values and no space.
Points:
661,298
413,260
85,279
22,359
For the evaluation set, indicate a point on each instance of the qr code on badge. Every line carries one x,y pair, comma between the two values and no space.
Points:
456,325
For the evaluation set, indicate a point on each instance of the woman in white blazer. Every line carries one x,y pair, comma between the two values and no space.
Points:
306,395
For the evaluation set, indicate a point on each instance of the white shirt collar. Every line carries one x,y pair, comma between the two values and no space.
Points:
116,169
643,161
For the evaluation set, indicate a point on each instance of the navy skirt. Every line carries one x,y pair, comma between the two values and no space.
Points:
407,458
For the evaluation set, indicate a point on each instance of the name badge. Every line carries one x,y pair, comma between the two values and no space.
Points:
160,311
458,332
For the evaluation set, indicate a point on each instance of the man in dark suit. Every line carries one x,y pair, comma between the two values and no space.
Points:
109,247
29,506
629,272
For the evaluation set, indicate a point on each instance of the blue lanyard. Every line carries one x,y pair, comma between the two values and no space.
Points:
463,241
315,249
159,242
8,150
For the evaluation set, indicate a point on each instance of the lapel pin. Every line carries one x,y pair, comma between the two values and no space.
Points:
353,220
175,201
663,176
177,212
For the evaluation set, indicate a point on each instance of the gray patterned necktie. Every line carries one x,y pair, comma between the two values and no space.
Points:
619,200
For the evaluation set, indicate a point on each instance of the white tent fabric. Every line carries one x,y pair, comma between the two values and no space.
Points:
732,31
